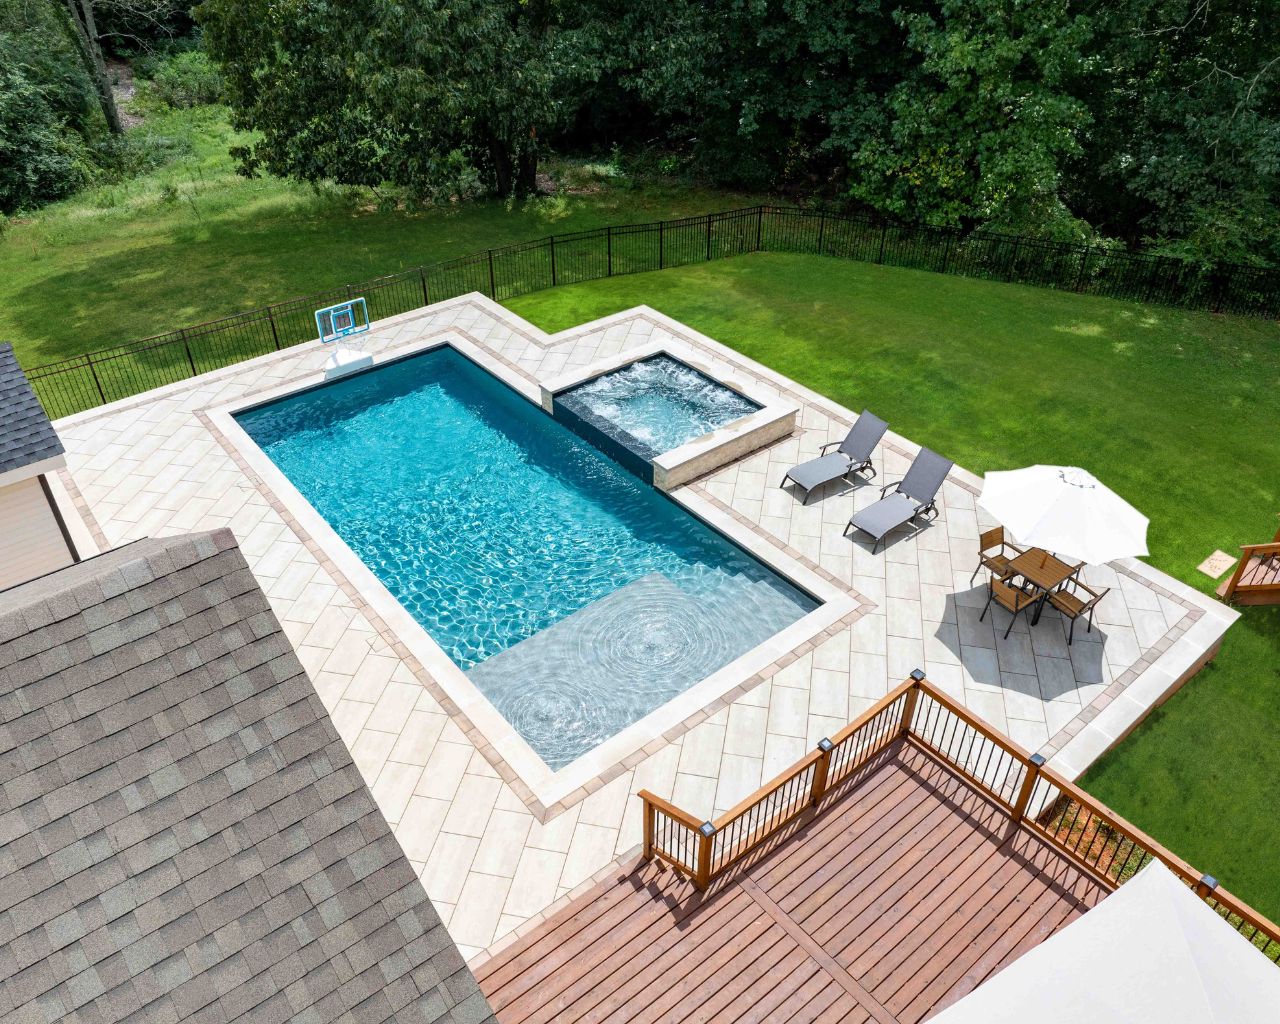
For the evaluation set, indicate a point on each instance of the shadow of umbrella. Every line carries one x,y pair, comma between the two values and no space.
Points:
990,662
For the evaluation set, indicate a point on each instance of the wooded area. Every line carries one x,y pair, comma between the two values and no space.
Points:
1145,122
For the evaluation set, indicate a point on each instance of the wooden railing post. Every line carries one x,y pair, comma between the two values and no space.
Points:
909,702
706,837
649,814
821,769
1034,764
1206,886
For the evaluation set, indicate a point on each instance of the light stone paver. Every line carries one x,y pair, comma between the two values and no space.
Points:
153,465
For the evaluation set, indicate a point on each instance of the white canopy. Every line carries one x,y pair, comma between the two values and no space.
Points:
1150,953
1066,510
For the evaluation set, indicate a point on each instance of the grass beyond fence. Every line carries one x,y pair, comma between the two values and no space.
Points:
85,381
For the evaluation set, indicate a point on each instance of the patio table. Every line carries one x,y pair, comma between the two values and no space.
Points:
1044,571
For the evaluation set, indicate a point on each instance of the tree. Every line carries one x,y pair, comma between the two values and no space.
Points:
983,119
77,17
422,92
1186,151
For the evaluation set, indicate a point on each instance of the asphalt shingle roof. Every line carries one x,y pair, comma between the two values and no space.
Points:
26,435
183,834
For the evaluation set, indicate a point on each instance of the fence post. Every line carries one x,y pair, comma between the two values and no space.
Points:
608,238
759,226
271,318
661,225
97,383
946,255
493,288
187,346
1028,784
553,260
884,229
1084,265
426,296
708,238
822,230
909,702
706,836
821,770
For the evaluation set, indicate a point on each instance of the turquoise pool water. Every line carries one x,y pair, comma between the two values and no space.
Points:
576,596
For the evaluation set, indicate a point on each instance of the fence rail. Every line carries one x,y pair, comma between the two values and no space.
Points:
85,381
1033,796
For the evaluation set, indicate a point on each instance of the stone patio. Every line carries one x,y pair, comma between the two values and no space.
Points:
492,859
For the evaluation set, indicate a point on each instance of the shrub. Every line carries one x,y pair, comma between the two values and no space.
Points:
188,79
40,160
119,157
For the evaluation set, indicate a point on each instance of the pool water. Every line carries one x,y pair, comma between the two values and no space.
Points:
577,597
656,404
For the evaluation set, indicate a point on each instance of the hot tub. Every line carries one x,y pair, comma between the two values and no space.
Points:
666,419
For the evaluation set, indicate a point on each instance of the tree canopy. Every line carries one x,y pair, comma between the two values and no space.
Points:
1146,122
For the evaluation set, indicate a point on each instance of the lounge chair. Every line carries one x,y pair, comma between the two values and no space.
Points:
852,456
914,495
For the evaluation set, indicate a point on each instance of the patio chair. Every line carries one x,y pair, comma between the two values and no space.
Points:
1074,599
993,553
852,456
1012,599
914,495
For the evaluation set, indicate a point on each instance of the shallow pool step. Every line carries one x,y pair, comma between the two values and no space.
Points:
596,671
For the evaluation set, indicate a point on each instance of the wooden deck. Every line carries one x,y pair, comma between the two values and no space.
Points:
899,897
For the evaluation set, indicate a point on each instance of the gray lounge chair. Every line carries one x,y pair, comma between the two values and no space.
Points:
914,495
853,456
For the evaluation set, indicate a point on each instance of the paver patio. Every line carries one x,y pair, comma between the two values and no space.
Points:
154,465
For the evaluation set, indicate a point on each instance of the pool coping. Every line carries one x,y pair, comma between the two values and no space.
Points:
772,421
545,792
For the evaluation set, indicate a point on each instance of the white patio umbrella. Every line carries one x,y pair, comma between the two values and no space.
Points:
1066,510
1150,953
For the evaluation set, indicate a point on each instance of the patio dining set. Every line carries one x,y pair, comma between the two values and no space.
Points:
1064,517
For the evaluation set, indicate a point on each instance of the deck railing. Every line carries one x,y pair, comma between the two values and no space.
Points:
917,712
95,378
1256,579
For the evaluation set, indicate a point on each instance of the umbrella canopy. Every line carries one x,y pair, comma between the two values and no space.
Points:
1065,509
1151,951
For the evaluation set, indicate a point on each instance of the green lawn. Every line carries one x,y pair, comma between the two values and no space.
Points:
1177,411
193,241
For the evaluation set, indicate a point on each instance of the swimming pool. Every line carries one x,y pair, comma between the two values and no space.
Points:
576,597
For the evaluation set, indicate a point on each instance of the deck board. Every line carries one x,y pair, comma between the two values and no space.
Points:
902,895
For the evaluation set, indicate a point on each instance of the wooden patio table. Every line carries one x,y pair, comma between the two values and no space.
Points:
1042,570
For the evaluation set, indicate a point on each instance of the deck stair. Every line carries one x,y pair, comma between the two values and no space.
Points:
1257,576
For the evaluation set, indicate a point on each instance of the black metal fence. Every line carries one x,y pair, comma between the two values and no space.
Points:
86,381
